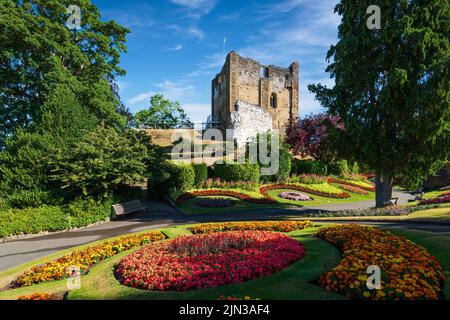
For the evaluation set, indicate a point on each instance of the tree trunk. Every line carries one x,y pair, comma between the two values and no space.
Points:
383,182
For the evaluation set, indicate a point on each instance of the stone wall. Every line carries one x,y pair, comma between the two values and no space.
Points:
247,120
244,79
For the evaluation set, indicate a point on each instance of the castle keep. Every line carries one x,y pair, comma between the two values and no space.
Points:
245,90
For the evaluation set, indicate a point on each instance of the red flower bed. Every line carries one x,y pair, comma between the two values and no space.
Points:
208,260
440,199
276,186
218,192
349,183
353,189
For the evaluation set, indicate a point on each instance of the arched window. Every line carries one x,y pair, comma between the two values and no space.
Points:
273,100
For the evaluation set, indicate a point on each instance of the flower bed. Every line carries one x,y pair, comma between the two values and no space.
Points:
84,258
280,226
40,296
353,189
323,190
296,196
440,199
408,270
252,198
215,203
359,184
208,260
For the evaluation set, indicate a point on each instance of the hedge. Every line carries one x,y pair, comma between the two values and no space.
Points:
201,172
237,171
52,218
309,167
171,176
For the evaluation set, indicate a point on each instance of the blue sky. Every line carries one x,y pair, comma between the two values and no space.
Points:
177,46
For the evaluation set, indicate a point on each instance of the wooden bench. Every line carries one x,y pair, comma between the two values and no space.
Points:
392,202
128,207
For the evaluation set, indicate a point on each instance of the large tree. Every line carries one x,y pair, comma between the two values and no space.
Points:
392,88
38,51
162,114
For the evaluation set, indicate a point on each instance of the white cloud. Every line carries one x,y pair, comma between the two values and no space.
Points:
196,9
131,18
283,6
192,31
179,91
123,85
177,47
142,97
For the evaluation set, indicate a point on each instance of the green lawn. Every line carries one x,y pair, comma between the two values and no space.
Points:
188,207
318,200
291,283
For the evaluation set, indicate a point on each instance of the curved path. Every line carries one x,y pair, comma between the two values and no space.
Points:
19,251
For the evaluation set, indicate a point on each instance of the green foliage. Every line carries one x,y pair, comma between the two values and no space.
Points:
100,163
182,176
309,167
171,176
24,164
392,89
201,172
83,212
354,168
30,198
306,179
53,218
338,168
237,171
284,165
37,52
163,114
32,220
284,155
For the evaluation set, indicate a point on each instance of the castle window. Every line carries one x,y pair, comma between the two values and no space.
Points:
273,100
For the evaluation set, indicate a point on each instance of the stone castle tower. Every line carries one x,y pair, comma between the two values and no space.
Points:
246,91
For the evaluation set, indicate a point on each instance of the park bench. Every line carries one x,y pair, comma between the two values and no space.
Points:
128,207
392,202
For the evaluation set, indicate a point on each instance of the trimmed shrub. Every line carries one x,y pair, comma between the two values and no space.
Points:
85,212
284,168
182,176
237,171
201,173
339,168
32,220
171,176
309,167
79,213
